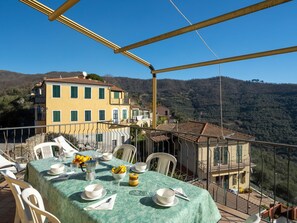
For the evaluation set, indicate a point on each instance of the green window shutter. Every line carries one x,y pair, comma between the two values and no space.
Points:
124,114
88,93
56,91
116,95
239,154
101,115
88,116
101,93
99,137
216,156
56,116
74,92
74,116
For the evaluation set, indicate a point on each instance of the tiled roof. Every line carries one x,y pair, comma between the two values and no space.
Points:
202,128
80,80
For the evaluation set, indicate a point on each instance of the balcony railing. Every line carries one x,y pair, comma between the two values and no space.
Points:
120,101
229,184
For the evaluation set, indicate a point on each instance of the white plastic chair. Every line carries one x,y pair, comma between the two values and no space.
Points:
22,212
128,152
40,215
14,167
164,160
45,150
66,145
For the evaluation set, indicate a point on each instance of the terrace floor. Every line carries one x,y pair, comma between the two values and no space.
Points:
7,209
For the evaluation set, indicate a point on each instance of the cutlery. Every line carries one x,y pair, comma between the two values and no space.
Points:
107,201
179,194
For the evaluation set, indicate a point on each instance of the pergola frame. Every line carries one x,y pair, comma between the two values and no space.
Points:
57,15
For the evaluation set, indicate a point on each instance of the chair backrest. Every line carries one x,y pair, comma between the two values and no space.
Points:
5,164
45,150
66,145
23,213
128,152
164,160
40,215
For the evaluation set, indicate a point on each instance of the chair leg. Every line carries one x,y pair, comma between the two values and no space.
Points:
17,217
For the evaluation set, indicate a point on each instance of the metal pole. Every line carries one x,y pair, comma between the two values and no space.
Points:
229,59
154,105
209,22
63,8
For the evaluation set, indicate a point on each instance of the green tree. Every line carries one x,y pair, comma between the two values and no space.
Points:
95,77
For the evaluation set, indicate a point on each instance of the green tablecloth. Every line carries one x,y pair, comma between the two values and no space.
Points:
133,204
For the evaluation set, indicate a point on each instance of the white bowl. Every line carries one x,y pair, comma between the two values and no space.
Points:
107,156
93,190
57,168
165,195
118,176
140,166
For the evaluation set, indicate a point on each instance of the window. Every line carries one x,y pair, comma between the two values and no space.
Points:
124,114
99,137
88,94
114,143
101,93
88,116
239,154
74,116
74,92
56,91
56,116
220,155
116,95
242,177
115,116
123,139
101,115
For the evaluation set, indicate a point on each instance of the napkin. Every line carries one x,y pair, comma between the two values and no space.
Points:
179,192
104,204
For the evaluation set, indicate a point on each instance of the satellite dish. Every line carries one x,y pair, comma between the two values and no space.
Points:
84,73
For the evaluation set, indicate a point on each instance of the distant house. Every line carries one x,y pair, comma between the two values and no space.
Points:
229,161
73,100
163,113
140,115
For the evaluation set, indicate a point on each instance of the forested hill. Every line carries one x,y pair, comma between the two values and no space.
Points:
267,111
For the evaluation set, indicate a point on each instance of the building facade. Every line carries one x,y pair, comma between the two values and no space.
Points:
72,100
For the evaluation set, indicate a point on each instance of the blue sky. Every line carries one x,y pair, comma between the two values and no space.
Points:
30,43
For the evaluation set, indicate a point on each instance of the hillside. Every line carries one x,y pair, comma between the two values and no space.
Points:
267,111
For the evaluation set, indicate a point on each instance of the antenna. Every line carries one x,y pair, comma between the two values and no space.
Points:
84,73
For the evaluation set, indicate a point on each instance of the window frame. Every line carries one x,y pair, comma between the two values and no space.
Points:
54,89
101,93
60,116
73,87
71,115
88,110
85,93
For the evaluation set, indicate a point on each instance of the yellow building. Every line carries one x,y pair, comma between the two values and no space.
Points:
228,163
72,100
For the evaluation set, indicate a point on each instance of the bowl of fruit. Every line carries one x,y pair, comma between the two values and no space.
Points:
119,172
81,160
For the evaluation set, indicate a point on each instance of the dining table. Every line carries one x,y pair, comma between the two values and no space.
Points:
63,195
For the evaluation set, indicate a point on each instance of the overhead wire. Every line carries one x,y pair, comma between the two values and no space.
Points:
215,55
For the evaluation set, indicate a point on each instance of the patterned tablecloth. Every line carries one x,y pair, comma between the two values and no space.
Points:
133,204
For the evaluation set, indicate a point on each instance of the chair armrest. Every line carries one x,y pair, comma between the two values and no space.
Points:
9,165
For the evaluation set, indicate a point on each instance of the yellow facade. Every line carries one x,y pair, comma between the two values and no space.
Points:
60,107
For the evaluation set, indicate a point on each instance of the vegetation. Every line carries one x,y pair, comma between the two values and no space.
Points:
266,111
95,77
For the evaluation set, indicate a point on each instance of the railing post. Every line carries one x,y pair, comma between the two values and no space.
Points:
207,164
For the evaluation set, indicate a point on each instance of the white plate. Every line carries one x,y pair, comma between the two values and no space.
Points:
54,174
137,171
84,197
175,202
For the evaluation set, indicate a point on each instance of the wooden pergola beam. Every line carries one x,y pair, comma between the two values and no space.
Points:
229,59
203,24
63,8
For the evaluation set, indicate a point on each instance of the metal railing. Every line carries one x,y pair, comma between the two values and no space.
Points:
230,183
